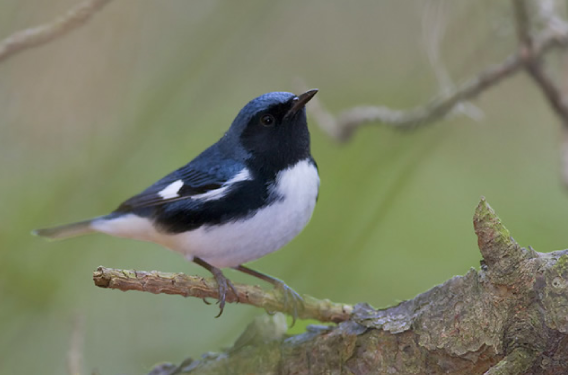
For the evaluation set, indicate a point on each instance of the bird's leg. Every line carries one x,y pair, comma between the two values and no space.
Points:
222,282
290,295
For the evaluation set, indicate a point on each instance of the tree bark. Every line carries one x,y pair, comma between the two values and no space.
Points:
510,317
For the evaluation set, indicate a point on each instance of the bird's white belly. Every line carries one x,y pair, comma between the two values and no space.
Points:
241,241
272,227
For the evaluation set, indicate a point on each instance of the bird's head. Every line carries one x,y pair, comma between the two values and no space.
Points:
272,129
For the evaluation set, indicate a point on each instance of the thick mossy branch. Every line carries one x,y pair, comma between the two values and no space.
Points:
200,287
501,254
511,317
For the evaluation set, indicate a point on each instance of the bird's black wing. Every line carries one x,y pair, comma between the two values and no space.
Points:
198,177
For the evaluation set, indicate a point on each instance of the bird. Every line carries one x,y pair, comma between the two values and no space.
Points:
246,196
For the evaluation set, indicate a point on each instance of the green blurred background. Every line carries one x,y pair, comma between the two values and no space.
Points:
91,118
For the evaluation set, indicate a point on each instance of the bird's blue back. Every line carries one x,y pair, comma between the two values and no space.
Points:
214,166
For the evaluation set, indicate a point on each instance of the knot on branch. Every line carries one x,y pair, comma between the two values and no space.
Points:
501,254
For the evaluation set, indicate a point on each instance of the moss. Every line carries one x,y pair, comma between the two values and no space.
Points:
485,214
129,273
561,265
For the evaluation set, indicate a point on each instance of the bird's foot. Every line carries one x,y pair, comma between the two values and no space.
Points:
222,284
293,302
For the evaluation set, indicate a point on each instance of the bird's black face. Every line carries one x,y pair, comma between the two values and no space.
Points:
276,135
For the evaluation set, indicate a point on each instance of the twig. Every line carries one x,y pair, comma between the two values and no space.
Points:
553,93
523,23
533,65
177,283
342,127
75,352
548,13
434,22
35,36
440,107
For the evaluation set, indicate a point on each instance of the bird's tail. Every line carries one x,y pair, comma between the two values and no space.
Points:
66,231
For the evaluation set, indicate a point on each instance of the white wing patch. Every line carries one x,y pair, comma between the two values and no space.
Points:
243,175
171,191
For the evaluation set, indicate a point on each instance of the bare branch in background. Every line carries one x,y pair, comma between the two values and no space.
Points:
523,23
434,22
439,107
76,343
555,35
533,46
36,36
194,286
548,11
557,99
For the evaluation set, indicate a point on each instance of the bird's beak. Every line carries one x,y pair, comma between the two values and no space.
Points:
301,101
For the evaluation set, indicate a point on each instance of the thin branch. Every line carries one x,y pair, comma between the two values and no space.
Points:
434,22
555,96
194,286
533,62
440,107
75,352
35,36
549,14
551,91
523,23
564,156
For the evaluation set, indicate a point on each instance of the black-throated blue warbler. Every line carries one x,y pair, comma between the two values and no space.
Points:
242,198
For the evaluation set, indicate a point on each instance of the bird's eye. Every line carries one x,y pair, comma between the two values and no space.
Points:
267,120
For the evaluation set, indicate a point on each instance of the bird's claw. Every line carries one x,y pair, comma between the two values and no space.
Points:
222,283
293,302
